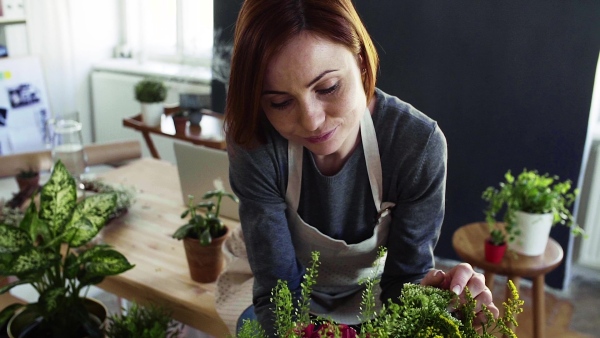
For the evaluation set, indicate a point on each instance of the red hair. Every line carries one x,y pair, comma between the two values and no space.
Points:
263,27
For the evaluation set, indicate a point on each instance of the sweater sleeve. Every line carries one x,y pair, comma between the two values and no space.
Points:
257,178
417,217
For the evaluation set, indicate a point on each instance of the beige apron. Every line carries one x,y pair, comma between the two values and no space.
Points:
342,265
337,294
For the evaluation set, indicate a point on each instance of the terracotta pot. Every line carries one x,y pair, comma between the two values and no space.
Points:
494,253
24,323
205,262
180,123
26,182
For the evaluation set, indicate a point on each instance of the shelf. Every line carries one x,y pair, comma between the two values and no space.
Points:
9,21
209,133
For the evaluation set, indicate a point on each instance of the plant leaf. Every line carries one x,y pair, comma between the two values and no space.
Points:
205,237
52,299
31,261
88,218
58,199
184,231
8,312
13,239
101,262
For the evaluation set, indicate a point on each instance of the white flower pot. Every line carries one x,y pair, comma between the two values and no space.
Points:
535,231
152,113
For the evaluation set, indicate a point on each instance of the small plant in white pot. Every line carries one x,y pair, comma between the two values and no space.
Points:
533,203
151,93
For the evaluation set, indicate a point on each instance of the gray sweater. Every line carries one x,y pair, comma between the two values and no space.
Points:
413,159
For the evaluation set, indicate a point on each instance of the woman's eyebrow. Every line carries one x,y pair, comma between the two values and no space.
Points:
317,78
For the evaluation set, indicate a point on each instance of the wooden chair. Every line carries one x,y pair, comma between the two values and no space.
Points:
113,153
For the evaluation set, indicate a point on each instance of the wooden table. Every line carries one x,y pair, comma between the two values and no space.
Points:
143,235
209,133
468,242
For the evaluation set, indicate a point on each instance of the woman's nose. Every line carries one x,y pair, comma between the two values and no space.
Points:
312,116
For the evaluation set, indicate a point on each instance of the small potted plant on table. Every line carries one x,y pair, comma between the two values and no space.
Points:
151,94
28,179
204,235
533,204
495,245
50,250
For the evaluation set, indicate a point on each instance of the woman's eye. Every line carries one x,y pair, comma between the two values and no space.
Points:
280,105
329,90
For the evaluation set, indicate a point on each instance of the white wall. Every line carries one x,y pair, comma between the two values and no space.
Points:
69,36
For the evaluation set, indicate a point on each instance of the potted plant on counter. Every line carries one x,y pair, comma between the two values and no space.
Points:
28,179
151,93
50,250
203,235
533,203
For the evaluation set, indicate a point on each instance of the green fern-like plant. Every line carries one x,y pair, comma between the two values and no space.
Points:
421,311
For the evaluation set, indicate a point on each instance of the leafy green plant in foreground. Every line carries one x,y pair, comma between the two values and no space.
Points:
49,250
422,311
152,321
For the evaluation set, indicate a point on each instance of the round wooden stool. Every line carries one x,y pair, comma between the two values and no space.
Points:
468,242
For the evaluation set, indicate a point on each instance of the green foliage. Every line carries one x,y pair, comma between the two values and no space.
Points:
27,173
532,193
151,321
421,311
206,227
125,195
48,249
150,91
497,236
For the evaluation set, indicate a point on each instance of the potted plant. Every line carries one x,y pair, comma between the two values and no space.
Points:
533,203
28,179
422,311
495,245
49,249
153,321
180,121
203,235
151,94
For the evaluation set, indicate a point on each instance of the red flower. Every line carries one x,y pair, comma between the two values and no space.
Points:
329,330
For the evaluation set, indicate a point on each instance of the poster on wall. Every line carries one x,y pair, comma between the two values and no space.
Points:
23,106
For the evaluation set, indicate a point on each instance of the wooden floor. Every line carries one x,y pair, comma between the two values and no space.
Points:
558,314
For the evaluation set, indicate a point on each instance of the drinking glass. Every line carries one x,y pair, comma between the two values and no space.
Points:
67,146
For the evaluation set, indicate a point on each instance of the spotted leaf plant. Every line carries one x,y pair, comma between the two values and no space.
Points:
51,250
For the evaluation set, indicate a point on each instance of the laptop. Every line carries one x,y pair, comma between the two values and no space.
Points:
198,168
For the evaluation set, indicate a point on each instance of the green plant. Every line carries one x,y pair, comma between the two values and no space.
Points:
48,251
125,195
532,193
497,236
153,321
27,173
206,227
150,91
422,311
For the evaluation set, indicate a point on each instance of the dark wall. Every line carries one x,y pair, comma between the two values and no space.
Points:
510,83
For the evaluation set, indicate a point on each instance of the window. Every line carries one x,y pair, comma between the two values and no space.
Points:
169,30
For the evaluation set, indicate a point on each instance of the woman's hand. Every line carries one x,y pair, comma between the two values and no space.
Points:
459,277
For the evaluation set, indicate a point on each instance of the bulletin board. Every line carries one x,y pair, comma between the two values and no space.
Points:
24,108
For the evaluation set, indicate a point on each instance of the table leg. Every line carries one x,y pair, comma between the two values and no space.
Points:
539,315
150,145
489,280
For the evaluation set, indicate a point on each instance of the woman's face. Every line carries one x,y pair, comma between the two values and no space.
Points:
313,95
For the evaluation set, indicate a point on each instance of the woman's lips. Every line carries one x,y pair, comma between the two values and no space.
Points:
321,138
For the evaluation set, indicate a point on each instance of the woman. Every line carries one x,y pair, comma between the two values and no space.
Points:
323,161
